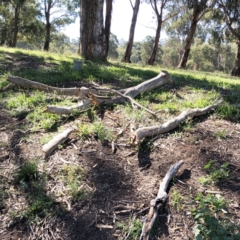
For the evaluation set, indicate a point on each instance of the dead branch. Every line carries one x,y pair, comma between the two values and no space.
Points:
159,201
81,106
133,102
75,92
10,86
143,132
53,144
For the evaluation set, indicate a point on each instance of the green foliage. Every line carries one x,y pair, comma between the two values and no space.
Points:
113,45
216,174
208,224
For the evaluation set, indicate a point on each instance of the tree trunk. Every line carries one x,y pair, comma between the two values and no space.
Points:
128,52
48,32
236,69
192,30
15,27
92,35
108,19
157,38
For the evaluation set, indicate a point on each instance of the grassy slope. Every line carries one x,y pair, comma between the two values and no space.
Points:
190,89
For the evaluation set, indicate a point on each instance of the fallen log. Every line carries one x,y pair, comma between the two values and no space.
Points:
81,106
74,92
97,95
53,143
143,132
159,201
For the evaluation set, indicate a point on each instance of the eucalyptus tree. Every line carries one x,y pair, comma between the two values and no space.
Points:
128,51
177,29
146,49
94,34
108,21
199,8
230,10
19,19
58,13
164,10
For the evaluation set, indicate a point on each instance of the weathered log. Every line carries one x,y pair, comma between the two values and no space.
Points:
94,95
143,132
59,139
81,106
159,201
75,92
148,85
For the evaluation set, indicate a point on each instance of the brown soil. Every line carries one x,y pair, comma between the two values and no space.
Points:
123,183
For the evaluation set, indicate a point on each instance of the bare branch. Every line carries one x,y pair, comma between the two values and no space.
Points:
131,4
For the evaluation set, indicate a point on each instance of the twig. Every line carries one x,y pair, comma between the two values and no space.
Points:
133,102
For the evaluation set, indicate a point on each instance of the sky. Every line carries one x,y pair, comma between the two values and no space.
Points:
121,20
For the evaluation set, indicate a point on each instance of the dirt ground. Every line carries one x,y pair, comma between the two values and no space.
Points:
122,183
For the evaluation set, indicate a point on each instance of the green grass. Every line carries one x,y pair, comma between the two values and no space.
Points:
193,89
134,229
95,129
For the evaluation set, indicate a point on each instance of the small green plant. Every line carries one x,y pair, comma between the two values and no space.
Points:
73,176
97,129
85,131
133,232
177,200
221,134
216,174
27,172
228,111
209,224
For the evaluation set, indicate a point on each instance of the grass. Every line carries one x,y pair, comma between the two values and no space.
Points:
96,129
134,229
177,201
31,184
73,175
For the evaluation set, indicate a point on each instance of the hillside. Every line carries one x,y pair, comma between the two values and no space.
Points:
84,189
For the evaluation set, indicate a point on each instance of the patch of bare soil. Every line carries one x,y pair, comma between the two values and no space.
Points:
121,183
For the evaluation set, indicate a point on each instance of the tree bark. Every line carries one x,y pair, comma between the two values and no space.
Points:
128,51
192,30
108,18
48,30
156,42
15,27
236,69
92,35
